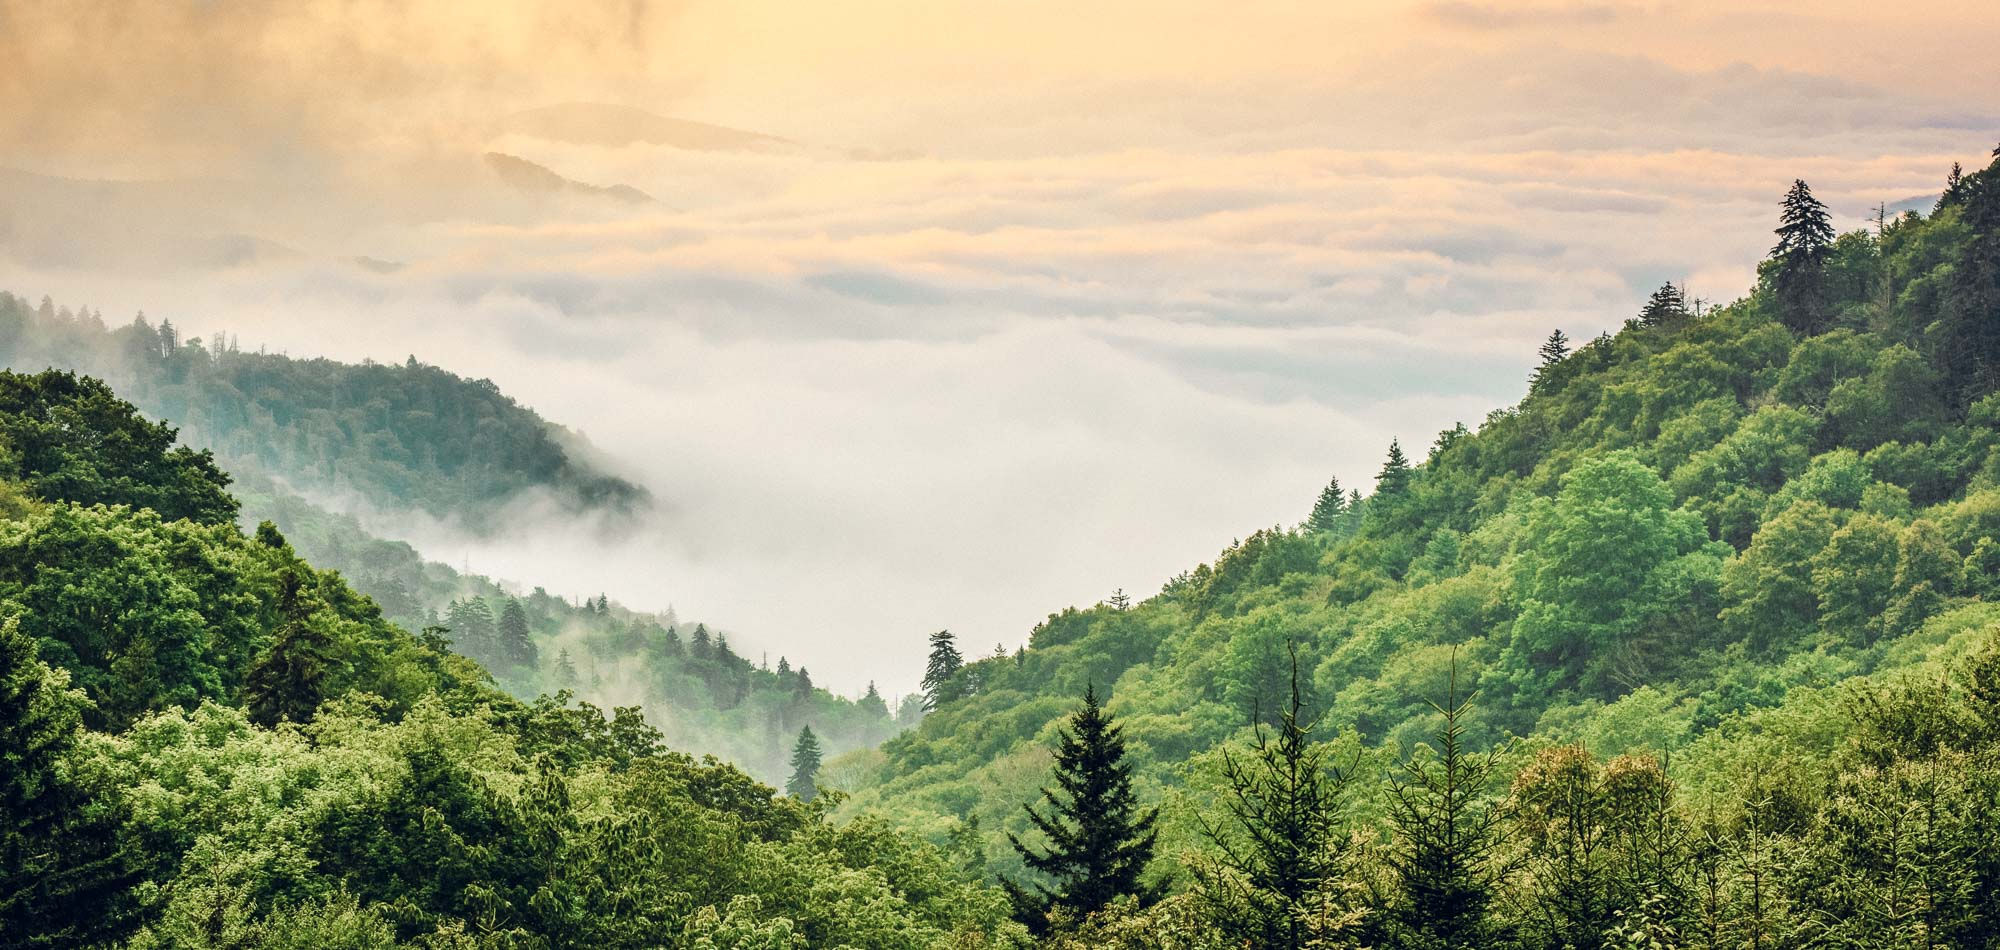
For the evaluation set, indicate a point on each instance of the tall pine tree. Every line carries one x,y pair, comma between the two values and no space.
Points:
1449,831
1327,510
1280,854
1966,342
1395,477
1667,306
516,646
942,684
1553,353
803,784
288,682
1099,840
1797,266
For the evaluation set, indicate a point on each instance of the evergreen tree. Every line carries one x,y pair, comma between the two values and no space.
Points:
1554,350
1279,858
288,682
1954,188
1099,841
1966,341
872,705
1327,510
805,767
1798,262
471,624
942,684
784,666
1395,477
566,675
1448,831
699,646
516,647
63,872
1668,305
1119,601
802,686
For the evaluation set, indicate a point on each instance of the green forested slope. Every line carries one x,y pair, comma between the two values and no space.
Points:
409,437
1681,543
207,742
417,437
702,694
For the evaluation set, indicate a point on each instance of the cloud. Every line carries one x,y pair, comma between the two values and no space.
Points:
1042,301
1512,16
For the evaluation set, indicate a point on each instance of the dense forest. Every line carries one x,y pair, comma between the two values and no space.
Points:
208,742
1740,555
1690,648
416,437
390,438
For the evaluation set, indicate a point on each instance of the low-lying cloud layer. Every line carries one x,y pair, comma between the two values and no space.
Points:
949,315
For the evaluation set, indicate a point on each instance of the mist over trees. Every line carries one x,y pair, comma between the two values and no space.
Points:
1692,647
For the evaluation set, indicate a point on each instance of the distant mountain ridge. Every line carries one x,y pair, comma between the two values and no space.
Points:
394,437
532,178
614,126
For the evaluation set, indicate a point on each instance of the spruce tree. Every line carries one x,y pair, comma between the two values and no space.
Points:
288,682
699,645
1965,342
1798,262
805,766
1327,510
942,683
1554,350
1280,854
1395,476
1444,860
472,628
1667,306
1099,840
516,646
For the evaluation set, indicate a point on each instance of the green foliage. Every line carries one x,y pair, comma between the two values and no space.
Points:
408,437
1676,549
1099,840
70,438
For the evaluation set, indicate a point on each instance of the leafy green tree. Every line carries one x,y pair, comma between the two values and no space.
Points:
70,438
805,767
1099,840
63,871
942,682
1767,593
1798,262
289,681
1598,560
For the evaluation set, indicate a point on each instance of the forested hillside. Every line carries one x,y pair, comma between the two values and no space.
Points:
1694,647
1730,572
702,694
415,436
392,438
208,742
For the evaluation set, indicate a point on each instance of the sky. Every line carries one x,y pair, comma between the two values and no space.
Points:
1003,305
